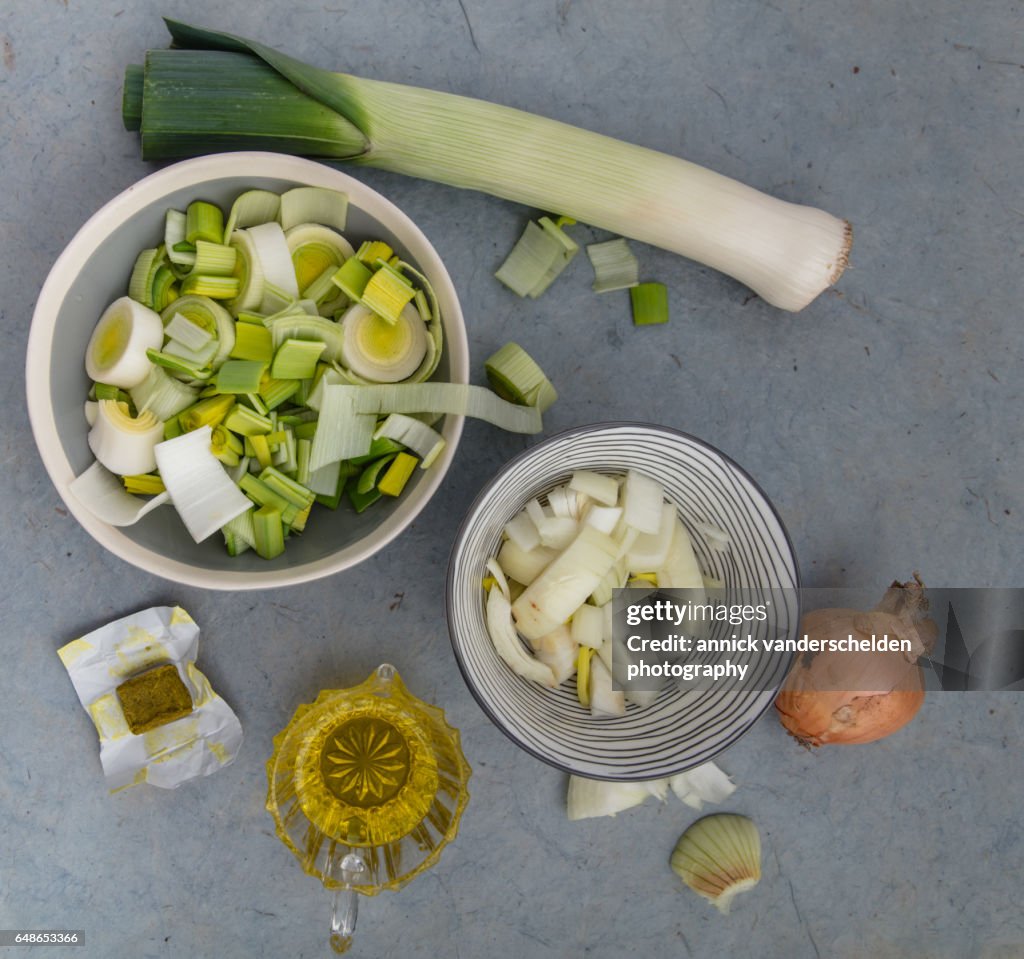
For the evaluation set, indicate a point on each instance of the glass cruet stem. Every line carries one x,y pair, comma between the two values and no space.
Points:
345,909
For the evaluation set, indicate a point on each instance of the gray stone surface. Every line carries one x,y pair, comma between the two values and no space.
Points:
883,421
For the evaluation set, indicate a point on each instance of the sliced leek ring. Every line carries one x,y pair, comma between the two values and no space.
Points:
122,444
117,349
383,352
275,261
315,249
208,315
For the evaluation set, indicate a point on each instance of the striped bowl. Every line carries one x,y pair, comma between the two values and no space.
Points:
681,729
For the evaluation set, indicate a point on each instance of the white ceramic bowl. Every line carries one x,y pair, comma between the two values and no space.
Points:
93,271
681,729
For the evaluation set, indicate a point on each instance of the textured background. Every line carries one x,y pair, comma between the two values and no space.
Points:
883,421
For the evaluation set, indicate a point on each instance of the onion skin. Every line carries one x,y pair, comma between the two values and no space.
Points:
888,687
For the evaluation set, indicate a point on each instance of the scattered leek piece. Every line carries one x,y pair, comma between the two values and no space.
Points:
650,304
351,278
268,532
101,492
247,422
274,392
296,359
538,258
413,434
162,394
253,206
615,266
240,376
215,287
124,444
200,490
313,204
787,253
145,485
515,377
209,412
203,221
117,349
383,351
387,293
252,342
369,477
215,259
275,259
371,251
189,334
719,857
394,480
455,398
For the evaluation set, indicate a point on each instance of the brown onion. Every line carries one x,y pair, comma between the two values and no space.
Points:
859,697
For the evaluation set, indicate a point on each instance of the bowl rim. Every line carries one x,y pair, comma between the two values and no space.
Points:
65,270
486,489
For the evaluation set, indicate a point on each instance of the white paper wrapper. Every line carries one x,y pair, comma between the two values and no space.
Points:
169,755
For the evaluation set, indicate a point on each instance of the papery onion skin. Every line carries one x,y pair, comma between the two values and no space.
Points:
890,687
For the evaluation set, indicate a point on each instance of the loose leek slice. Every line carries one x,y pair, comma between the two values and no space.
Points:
507,644
387,292
208,315
251,208
302,326
124,444
101,492
397,475
214,259
249,273
313,204
275,260
615,266
414,434
515,376
161,394
538,258
316,249
116,353
455,398
174,239
650,304
202,493
189,334
296,359
203,221
342,431
380,351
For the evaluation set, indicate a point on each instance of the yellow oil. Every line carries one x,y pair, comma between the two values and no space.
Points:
365,775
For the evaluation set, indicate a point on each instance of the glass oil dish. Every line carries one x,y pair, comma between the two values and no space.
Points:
366,786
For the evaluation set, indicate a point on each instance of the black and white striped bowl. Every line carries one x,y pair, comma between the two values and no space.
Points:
681,729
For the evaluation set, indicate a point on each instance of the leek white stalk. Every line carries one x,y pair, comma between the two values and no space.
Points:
102,493
200,489
116,353
785,252
125,445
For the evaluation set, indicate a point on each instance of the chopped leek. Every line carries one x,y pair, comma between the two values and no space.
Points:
252,342
313,204
101,492
386,293
381,351
203,221
394,480
414,434
116,353
615,266
275,260
787,253
240,376
296,359
516,377
650,304
268,532
200,490
162,394
538,258
124,444
317,252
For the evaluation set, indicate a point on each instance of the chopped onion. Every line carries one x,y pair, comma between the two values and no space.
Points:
507,644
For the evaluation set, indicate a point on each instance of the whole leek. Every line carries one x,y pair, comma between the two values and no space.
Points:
232,93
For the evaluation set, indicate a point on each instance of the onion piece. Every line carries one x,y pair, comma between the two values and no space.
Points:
507,644
589,798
